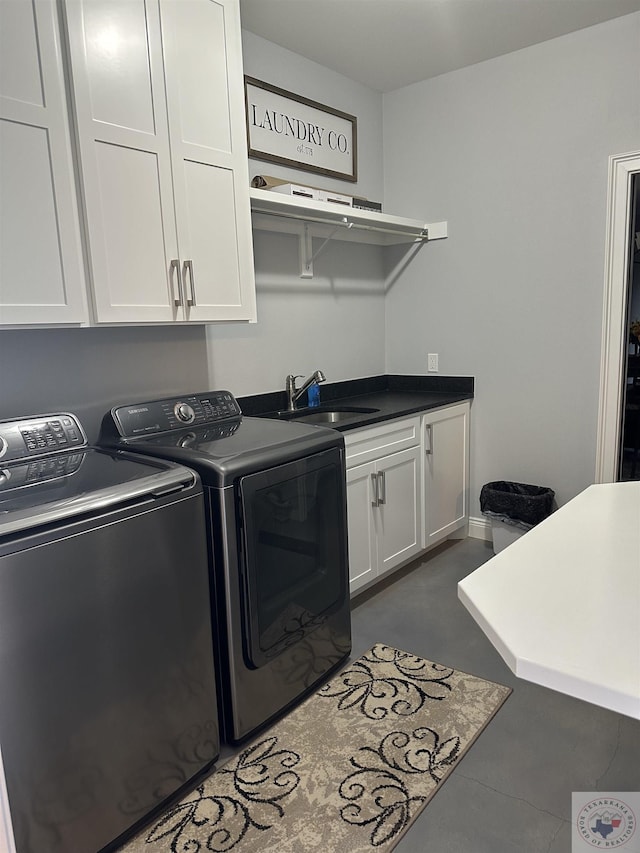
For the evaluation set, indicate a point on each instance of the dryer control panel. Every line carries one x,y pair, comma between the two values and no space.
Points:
26,438
172,413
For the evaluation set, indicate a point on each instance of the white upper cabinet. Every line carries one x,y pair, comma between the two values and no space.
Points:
205,96
158,96
41,268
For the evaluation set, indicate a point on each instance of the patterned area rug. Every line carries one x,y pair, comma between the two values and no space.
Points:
349,770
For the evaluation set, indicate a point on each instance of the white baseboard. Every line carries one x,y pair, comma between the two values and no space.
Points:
480,528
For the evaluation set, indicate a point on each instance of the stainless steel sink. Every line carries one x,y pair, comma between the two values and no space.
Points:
327,414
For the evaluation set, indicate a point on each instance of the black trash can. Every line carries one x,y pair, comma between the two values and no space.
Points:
514,508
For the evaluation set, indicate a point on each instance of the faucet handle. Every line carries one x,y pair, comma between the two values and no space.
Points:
291,381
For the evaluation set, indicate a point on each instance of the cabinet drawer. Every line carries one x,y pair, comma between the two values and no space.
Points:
364,445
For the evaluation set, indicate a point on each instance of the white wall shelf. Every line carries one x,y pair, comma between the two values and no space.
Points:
308,219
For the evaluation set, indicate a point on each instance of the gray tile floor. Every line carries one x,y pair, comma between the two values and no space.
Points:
512,792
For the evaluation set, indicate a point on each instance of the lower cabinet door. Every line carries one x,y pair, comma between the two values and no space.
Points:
363,558
446,465
401,503
397,516
383,513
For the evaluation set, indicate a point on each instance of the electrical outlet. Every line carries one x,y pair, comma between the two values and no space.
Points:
432,362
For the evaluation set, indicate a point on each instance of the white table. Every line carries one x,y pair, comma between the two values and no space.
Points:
562,603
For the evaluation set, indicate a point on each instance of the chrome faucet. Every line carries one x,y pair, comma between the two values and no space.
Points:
294,394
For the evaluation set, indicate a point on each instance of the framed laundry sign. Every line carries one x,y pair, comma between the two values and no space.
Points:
286,128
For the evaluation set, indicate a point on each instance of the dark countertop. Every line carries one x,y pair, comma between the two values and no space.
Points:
393,396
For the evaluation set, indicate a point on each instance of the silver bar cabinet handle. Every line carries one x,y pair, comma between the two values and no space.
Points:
429,450
383,488
374,483
188,267
174,275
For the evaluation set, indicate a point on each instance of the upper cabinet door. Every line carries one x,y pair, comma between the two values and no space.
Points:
159,109
41,264
205,98
120,104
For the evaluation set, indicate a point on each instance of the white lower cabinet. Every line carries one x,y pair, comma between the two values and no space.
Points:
383,498
383,507
363,556
407,489
445,441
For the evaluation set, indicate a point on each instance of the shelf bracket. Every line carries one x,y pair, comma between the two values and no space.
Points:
307,256
306,249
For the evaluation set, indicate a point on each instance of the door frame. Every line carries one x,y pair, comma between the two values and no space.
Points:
614,332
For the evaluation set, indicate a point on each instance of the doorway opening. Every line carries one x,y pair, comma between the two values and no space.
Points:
624,172
629,453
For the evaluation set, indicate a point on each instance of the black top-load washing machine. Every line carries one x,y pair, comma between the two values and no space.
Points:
107,683
275,497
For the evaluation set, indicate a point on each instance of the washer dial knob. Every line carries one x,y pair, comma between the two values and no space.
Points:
3,446
184,413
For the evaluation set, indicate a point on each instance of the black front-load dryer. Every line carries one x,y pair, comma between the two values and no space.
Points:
275,497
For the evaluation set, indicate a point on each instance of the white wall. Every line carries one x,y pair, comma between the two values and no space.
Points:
334,321
86,371
513,153
272,64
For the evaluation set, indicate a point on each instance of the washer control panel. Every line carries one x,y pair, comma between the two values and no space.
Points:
25,438
173,413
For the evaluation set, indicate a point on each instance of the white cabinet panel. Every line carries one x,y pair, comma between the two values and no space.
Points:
363,561
201,44
125,159
41,264
446,470
28,206
398,517
133,278
194,46
383,499
362,445
20,78
208,236
118,63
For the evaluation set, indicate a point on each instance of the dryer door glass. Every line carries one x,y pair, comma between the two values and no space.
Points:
294,545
